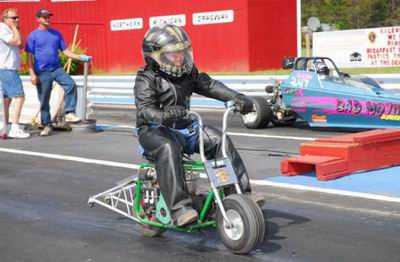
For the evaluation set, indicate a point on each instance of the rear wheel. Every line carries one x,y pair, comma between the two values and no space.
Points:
260,117
248,226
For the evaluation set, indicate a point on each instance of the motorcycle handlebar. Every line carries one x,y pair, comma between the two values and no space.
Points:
230,108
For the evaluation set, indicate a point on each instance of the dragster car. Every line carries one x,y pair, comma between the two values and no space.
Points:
318,93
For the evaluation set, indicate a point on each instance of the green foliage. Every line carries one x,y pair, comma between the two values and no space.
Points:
353,14
24,70
76,66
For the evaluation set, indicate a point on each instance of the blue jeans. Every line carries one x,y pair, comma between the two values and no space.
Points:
45,86
188,138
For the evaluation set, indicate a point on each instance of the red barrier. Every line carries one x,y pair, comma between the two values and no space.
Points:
339,156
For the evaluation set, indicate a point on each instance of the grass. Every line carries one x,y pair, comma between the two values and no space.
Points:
372,70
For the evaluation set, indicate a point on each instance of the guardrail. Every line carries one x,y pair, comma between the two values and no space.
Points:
118,90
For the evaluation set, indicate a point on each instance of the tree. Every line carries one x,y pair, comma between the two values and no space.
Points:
351,14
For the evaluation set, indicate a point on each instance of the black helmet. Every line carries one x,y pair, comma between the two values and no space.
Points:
170,48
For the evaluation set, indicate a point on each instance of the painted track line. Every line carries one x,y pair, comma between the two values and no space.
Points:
272,136
253,181
70,158
326,191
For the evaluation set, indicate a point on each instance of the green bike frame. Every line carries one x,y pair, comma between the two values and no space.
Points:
201,222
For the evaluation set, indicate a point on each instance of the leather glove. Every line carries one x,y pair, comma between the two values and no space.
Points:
174,113
85,58
243,104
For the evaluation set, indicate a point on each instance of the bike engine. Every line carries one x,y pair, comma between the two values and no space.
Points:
150,191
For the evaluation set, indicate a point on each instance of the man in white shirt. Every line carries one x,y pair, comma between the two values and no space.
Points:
10,82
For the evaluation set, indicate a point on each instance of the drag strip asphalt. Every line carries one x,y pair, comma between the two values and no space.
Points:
44,217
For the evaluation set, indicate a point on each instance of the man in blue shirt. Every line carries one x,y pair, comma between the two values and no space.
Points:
43,45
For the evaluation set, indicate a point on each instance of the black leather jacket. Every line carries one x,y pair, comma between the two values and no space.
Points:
155,90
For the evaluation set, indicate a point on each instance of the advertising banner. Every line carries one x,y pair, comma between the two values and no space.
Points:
372,47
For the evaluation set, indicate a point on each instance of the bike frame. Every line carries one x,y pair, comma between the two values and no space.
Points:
125,198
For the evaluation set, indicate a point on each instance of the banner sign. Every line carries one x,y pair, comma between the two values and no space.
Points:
126,24
179,20
372,47
216,17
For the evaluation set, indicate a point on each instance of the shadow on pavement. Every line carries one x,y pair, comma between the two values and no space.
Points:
273,229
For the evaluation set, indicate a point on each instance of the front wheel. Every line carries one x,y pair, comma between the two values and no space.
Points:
247,227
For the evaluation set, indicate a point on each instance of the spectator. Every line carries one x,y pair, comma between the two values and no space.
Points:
43,45
10,82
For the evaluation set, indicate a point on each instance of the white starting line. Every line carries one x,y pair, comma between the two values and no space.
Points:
273,136
69,158
300,138
253,181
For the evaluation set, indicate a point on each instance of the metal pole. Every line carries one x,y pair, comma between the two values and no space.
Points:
224,131
298,11
82,94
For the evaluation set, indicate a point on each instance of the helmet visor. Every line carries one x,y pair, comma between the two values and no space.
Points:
177,61
178,58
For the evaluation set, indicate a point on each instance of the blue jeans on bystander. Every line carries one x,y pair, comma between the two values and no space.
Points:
46,79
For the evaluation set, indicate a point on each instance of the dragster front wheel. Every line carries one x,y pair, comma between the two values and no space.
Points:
247,226
261,116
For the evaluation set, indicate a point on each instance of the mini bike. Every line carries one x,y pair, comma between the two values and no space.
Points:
238,219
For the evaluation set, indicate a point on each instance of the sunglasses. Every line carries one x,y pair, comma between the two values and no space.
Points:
13,17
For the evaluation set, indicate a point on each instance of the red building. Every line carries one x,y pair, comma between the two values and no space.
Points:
227,35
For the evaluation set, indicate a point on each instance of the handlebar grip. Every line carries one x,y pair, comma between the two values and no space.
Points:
232,105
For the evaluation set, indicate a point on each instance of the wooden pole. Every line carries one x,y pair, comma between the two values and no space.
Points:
68,69
308,44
